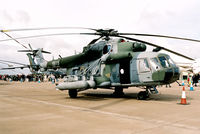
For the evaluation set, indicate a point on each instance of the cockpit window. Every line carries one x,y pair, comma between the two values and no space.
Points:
171,62
164,62
155,63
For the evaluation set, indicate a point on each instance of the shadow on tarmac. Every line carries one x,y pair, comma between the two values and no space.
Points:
6,83
95,96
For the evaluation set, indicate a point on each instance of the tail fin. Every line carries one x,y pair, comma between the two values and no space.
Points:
31,60
33,65
39,58
40,61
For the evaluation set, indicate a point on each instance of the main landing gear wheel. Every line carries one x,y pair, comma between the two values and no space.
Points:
73,93
142,95
118,92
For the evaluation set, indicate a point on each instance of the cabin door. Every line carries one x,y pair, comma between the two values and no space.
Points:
124,72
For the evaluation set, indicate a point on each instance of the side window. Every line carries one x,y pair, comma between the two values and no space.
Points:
155,63
143,66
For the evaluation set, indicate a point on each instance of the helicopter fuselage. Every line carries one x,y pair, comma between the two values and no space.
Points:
118,63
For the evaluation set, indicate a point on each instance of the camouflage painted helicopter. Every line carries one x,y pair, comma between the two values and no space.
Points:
109,62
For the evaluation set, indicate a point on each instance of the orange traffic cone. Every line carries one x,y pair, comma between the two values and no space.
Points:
183,98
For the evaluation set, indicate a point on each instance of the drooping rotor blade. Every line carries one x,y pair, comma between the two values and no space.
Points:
95,40
14,40
22,67
7,68
45,28
13,67
13,62
46,35
114,33
154,45
101,32
6,64
162,36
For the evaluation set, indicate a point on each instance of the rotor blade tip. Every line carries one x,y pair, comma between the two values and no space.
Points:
4,31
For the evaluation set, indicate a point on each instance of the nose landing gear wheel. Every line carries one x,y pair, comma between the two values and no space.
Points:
142,95
73,93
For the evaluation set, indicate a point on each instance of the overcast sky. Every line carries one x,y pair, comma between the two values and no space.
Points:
168,17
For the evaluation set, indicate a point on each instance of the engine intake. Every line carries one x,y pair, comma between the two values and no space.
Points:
139,47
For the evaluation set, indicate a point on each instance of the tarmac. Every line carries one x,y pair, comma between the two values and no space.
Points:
37,108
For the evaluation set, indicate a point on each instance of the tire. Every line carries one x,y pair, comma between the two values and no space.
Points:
73,93
142,95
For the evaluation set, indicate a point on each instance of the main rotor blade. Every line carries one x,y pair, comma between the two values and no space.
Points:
13,62
5,63
94,40
22,67
98,30
14,40
154,45
45,28
46,35
162,36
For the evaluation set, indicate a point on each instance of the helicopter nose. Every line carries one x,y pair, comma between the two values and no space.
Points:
168,75
171,75
176,73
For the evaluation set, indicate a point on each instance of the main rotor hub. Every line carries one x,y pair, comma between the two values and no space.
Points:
107,32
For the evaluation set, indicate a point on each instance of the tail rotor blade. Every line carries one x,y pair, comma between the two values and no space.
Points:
30,47
46,52
25,51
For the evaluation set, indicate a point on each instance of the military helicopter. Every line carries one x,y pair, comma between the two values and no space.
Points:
114,60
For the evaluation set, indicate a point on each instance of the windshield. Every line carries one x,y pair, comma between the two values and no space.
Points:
164,62
171,62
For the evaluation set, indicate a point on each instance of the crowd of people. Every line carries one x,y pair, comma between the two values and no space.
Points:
30,77
195,79
52,78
